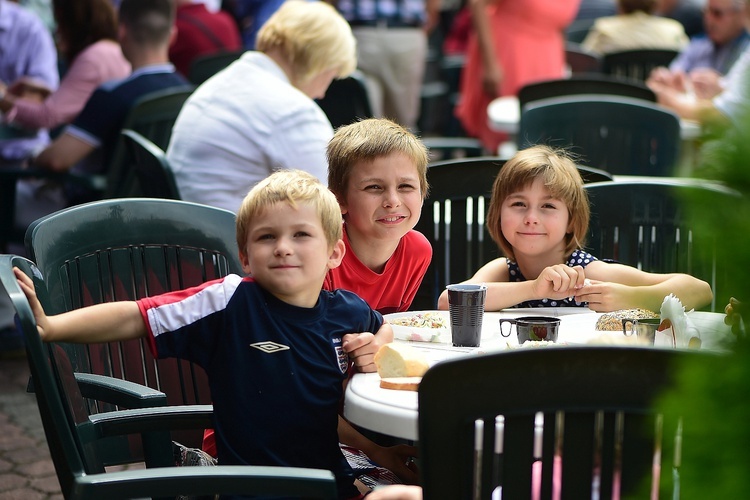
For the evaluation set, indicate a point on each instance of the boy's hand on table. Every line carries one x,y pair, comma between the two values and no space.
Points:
362,347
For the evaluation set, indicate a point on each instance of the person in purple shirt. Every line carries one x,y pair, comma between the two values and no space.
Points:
27,52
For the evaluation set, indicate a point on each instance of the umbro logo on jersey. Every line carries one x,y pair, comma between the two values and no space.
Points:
269,347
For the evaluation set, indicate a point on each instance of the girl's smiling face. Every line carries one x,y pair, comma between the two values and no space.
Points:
535,223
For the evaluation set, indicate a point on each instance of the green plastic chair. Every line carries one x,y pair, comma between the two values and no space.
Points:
346,100
584,84
126,249
153,117
621,135
650,225
491,420
152,171
204,67
636,64
74,436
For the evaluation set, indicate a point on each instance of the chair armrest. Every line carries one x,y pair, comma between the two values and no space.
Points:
139,420
225,479
119,392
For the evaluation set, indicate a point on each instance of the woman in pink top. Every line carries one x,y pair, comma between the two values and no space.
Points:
87,42
514,42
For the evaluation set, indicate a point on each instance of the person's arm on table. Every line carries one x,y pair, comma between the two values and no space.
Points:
617,286
63,153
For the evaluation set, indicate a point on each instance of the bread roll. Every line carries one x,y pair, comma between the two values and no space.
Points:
612,321
401,383
400,360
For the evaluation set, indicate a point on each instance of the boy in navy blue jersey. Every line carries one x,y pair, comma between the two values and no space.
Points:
270,343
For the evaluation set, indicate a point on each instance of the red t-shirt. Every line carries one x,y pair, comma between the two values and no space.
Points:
394,289
201,32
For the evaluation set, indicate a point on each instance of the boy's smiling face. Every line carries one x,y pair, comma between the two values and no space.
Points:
383,199
287,252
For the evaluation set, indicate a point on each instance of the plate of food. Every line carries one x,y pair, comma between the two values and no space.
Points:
419,326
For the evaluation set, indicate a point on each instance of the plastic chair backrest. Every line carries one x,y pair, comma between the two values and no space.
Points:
584,84
621,135
573,422
580,61
453,216
636,64
152,116
154,175
648,225
74,437
124,249
346,100
204,67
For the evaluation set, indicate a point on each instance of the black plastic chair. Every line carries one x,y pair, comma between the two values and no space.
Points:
621,135
346,100
76,437
578,416
650,225
154,175
584,84
581,61
124,249
204,67
636,64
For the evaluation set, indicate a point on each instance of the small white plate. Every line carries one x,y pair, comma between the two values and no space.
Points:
419,334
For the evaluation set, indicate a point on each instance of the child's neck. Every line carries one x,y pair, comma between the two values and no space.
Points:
373,254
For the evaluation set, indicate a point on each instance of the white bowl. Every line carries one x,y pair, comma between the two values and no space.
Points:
416,333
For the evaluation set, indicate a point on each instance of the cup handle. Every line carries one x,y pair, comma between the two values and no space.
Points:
511,321
625,328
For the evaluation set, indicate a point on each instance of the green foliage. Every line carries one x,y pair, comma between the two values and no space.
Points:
713,398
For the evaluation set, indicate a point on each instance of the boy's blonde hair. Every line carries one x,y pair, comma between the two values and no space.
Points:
313,37
292,187
561,178
368,140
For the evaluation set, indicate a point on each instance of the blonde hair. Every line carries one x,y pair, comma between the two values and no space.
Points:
292,187
367,140
312,36
561,178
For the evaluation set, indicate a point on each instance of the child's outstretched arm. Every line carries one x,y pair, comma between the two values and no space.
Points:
98,323
617,286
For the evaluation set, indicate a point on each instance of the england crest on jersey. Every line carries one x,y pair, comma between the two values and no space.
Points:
341,356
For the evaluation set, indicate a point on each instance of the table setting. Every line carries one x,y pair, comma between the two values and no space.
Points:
428,336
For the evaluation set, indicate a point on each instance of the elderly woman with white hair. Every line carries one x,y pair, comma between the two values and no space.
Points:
259,114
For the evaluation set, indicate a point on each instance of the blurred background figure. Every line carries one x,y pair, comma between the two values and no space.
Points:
635,27
594,9
392,51
685,12
708,57
259,114
250,15
201,32
28,62
88,47
514,42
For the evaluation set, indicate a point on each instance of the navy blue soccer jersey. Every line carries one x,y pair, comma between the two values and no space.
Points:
275,370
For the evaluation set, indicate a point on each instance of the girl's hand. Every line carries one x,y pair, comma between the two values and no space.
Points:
27,286
606,296
558,282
